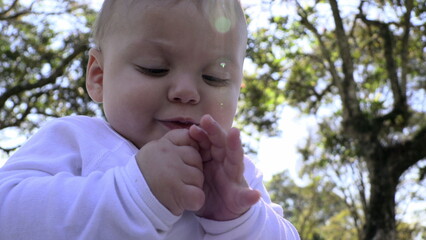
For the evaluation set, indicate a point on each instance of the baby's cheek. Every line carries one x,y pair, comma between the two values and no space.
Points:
224,106
226,114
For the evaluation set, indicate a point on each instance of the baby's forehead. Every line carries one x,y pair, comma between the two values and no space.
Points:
115,14
211,9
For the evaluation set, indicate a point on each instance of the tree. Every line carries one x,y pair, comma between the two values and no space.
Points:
42,66
318,211
360,68
315,210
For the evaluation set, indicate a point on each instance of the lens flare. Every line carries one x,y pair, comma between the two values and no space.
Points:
222,24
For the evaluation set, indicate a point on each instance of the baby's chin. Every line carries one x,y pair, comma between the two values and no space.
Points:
139,141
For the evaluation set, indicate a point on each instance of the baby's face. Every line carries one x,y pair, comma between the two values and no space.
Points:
166,68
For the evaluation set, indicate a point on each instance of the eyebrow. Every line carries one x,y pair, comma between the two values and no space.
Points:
167,46
152,42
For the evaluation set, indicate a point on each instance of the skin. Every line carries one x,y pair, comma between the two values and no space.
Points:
164,86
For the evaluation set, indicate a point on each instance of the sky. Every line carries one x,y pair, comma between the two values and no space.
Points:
276,154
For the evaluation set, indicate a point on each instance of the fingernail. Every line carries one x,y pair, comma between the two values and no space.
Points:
198,128
209,118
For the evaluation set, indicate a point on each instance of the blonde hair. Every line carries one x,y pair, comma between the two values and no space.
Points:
222,14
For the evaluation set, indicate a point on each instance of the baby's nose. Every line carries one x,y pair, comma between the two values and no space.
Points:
184,91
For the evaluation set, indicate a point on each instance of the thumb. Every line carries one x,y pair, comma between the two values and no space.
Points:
248,197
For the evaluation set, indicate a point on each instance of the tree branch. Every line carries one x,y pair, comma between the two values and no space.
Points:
325,52
400,102
406,154
349,199
351,105
404,48
5,15
7,10
8,150
44,81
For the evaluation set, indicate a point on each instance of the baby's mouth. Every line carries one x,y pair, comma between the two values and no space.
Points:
178,124
186,125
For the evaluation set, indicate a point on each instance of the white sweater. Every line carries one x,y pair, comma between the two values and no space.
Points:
78,179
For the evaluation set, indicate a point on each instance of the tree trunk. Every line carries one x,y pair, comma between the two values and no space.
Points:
380,216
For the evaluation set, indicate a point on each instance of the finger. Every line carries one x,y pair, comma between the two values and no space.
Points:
191,198
247,198
180,137
215,132
198,134
191,157
193,176
234,148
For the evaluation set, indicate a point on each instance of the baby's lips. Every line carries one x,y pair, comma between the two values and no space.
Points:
179,123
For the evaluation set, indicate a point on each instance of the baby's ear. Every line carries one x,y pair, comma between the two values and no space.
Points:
95,75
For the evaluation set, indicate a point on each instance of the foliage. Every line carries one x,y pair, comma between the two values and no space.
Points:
320,209
42,62
261,86
315,210
360,68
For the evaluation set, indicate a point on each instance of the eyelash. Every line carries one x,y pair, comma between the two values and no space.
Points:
214,81
157,72
154,72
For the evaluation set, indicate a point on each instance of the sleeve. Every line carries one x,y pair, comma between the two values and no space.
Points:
42,195
264,221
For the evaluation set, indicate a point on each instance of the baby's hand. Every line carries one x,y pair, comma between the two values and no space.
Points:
172,167
226,190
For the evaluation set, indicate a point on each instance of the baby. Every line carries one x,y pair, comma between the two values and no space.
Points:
166,163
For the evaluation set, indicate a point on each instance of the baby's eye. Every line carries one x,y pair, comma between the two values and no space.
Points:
214,81
153,72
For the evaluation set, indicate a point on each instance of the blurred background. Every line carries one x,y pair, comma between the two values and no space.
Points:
333,104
